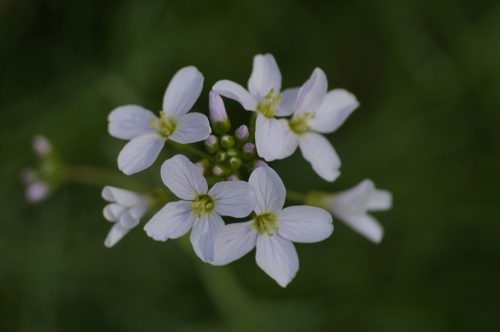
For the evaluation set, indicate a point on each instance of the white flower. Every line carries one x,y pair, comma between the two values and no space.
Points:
273,229
352,206
37,189
199,208
318,111
125,210
148,133
263,96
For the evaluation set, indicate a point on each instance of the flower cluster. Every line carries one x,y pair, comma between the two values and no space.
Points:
232,177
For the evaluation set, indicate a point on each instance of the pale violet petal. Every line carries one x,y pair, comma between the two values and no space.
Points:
233,242
305,224
233,198
270,191
265,76
204,234
311,94
112,212
337,105
140,153
171,222
273,138
353,200
365,225
380,200
318,151
127,221
116,233
286,106
183,178
277,257
182,92
232,90
130,121
191,128
121,196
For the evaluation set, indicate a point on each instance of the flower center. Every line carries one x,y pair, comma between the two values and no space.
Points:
267,107
202,204
266,223
299,125
164,126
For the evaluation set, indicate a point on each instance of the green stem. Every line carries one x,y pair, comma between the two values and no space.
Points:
295,196
253,122
91,175
191,149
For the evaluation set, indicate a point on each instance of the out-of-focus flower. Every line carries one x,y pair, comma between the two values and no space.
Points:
242,133
199,208
352,206
318,111
148,133
41,146
36,189
263,96
273,229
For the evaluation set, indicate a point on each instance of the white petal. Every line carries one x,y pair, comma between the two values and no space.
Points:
183,178
129,121
116,233
269,189
320,153
380,200
273,138
313,91
112,212
234,91
353,200
265,76
305,224
203,235
182,91
127,221
277,257
233,198
171,222
233,242
121,196
140,153
191,128
287,104
364,224
333,111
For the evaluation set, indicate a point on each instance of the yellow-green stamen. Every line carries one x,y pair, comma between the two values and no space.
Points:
266,223
267,107
165,126
299,125
202,205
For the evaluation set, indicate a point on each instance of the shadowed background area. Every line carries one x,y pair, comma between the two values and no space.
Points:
427,74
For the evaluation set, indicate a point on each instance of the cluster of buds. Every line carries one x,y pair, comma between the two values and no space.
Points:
42,179
232,156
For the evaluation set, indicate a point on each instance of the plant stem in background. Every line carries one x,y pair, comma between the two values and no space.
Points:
191,149
91,175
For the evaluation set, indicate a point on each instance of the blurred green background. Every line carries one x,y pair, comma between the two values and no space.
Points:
427,74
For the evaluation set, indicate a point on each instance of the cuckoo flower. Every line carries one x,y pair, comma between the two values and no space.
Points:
147,133
316,112
199,209
125,210
263,96
352,206
273,229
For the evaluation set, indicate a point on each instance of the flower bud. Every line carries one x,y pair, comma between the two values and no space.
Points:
242,133
249,148
227,141
221,156
211,143
232,152
235,162
259,163
217,170
37,192
41,146
217,113
232,178
203,165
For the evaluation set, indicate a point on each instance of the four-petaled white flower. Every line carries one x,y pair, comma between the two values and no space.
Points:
318,111
148,133
125,210
200,209
263,96
273,229
351,206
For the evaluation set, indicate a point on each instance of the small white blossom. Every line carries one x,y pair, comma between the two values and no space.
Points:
263,96
199,208
37,190
352,207
125,210
317,111
273,229
148,133
41,146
